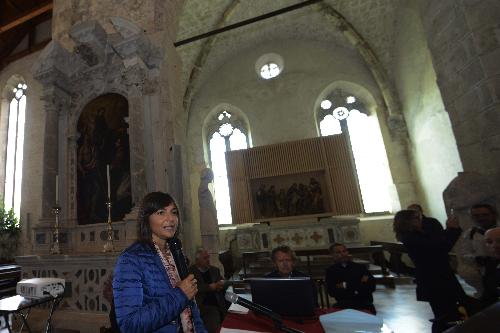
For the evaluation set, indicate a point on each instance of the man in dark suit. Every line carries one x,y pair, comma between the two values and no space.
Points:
211,287
284,260
350,283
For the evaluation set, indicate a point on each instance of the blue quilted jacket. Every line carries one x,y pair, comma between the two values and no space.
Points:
145,301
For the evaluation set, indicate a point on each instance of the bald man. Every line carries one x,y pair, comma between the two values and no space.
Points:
492,239
491,279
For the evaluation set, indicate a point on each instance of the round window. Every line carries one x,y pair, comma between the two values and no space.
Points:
269,65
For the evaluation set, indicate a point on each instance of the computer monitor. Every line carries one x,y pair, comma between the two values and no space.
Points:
288,297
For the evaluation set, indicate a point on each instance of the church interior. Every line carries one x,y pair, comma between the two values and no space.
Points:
288,122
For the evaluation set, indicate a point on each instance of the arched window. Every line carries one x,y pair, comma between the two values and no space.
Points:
340,112
15,144
226,132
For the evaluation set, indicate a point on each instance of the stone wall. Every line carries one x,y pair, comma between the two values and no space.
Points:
282,109
432,146
464,42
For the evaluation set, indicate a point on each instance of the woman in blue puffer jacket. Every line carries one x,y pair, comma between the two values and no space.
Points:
148,293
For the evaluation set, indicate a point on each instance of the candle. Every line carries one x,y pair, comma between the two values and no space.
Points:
57,188
109,181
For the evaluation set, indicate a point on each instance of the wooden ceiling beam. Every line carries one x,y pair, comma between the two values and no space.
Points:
13,5
47,6
19,55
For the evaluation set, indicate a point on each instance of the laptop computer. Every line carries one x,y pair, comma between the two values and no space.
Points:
288,297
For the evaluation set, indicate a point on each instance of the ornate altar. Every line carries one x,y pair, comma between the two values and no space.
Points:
303,235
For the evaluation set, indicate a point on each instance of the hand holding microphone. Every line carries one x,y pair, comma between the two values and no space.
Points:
189,286
188,283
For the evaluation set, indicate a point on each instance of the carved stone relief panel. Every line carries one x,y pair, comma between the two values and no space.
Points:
86,278
299,236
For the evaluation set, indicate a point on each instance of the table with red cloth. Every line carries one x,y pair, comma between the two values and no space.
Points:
253,322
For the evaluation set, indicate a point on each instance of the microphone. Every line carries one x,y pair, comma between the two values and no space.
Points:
175,246
278,322
233,298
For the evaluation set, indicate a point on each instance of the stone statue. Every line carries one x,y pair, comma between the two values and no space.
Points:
208,218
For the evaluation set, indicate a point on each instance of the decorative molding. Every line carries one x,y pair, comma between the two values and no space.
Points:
299,236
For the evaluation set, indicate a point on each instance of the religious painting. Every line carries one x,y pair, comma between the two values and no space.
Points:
290,195
103,144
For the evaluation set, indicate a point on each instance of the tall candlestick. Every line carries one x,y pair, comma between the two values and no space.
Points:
109,181
57,189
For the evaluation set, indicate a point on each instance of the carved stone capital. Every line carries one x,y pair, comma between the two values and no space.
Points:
55,99
54,65
90,38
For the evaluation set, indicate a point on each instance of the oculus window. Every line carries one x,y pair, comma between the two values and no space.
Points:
269,66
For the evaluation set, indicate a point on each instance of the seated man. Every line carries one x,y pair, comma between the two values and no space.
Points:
350,283
284,259
210,296
491,278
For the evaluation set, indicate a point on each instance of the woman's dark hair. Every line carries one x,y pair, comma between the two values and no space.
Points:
151,203
403,224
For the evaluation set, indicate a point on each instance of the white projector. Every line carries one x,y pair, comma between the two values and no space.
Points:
40,287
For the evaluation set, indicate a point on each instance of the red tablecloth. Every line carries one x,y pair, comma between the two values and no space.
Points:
253,322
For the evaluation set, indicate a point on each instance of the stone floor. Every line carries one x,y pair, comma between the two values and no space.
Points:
400,310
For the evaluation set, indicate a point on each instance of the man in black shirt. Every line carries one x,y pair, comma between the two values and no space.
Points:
211,286
350,283
284,261
429,224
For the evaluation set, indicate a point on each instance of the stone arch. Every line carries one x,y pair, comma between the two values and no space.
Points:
391,104
123,62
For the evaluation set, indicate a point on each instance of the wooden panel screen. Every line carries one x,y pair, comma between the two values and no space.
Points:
340,164
241,203
326,158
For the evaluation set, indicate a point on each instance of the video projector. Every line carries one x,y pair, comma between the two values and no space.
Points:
40,287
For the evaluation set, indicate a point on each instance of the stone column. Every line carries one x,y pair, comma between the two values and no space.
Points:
464,41
54,99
